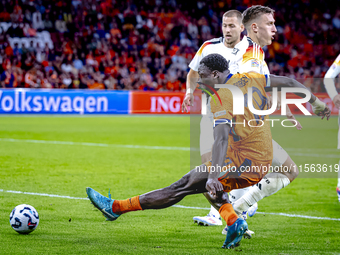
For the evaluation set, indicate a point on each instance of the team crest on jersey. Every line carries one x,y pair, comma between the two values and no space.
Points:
235,50
333,66
242,82
220,113
254,63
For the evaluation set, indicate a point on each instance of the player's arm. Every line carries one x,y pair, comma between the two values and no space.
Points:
319,107
328,80
289,114
219,152
192,79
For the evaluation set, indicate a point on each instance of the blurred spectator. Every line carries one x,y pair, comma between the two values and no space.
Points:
7,78
77,63
37,22
336,20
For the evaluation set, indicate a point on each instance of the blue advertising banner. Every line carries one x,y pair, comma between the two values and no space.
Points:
51,101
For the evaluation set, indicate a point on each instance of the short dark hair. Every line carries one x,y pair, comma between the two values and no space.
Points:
233,13
215,62
254,12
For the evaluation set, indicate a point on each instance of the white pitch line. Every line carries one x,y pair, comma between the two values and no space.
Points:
313,150
42,194
178,206
300,216
191,207
315,155
96,144
297,154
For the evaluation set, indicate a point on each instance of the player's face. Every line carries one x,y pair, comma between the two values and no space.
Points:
266,29
231,28
205,76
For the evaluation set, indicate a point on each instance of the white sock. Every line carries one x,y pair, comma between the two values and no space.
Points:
214,212
236,194
269,185
339,176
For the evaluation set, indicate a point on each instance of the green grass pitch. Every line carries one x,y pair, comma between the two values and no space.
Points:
71,226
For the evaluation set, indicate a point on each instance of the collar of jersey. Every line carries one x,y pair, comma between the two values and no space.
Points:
249,39
240,42
228,77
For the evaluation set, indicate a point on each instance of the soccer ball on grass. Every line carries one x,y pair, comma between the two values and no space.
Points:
24,219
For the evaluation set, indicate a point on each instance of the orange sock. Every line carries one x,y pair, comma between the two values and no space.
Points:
128,205
228,214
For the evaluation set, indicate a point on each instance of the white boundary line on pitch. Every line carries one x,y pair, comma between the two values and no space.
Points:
129,146
178,206
42,194
96,144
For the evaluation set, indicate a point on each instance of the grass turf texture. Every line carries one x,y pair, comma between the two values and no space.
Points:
75,227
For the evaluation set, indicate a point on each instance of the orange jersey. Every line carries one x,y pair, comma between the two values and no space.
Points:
249,132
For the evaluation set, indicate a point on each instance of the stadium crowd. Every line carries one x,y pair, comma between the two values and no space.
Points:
147,46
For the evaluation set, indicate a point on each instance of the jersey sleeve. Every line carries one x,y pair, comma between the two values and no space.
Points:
332,72
252,60
195,62
222,107
258,78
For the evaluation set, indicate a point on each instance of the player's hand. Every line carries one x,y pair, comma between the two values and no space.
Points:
321,109
292,119
336,101
214,187
325,113
188,101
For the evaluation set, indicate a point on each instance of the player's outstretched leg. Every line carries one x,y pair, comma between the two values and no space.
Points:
236,226
234,195
191,183
103,203
206,141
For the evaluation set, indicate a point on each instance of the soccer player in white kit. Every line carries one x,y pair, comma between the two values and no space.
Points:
249,57
333,72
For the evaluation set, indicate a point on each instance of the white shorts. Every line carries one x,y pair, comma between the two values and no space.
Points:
207,141
206,135
279,154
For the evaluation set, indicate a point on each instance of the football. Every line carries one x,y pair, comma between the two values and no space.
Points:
24,219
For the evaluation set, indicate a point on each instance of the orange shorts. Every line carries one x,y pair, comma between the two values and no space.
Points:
239,171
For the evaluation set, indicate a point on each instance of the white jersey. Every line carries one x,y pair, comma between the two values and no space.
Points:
249,57
215,45
245,57
332,72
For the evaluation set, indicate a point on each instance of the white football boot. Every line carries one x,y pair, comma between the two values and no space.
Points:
252,210
209,220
